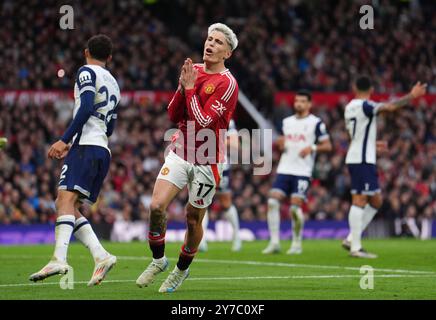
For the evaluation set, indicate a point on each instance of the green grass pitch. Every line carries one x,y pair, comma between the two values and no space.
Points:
405,269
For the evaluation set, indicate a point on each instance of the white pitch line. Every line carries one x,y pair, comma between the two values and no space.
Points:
329,276
266,263
332,276
289,265
54,283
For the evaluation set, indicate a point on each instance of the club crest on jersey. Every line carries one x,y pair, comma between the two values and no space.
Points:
209,88
165,171
218,107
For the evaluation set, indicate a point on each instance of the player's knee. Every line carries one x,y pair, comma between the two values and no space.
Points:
58,203
226,203
193,220
157,208
359,200
276,195
297,202
360,203
376,202
66,201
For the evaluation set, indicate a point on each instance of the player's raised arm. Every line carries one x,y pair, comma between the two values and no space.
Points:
417,91
280,142
219,102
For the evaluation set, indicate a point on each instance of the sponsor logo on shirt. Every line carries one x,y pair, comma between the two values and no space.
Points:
84,77
199,202
296,137
218,107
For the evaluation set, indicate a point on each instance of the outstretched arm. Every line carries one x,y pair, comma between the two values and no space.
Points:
417,91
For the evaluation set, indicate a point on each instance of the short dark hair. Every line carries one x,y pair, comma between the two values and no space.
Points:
363,83
304,93
100,47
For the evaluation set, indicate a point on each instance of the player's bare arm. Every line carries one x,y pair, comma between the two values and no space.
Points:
323,146
181,88
417,91
281,143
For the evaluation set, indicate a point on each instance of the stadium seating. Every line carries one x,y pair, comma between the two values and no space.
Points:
149,49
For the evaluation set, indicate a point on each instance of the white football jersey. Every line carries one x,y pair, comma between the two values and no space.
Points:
300,133
107,96
361,123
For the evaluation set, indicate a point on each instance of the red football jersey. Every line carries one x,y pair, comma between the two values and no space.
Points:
209,105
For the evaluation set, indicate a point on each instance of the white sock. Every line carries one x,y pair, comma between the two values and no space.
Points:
160,260
63,230
84,233
368,214
355,222
273,219
297,225
426,229
231,215
411,223
204,223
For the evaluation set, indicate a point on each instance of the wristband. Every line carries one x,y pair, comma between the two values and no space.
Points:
313,147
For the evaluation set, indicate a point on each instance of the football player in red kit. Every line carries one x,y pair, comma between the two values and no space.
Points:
202,108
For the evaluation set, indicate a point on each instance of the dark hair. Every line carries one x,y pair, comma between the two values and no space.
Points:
363,83
100,47
304,93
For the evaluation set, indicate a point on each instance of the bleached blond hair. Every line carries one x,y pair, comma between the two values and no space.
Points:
231,38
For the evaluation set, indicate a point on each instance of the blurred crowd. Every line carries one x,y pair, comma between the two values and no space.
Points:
28,180
283,45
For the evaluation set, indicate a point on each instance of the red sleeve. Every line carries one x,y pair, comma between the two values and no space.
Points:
176,109
223,100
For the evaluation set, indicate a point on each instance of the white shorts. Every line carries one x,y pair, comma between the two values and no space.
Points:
202,180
